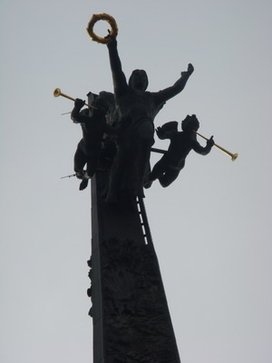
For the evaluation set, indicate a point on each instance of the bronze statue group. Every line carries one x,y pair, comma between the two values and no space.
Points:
118,133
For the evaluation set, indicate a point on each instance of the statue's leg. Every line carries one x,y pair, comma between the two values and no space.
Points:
144,141
118,174
143,160
147,181
168,177
80,159
158,170
83,185
92,163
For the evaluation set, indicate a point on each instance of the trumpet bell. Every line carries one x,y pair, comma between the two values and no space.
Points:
57,92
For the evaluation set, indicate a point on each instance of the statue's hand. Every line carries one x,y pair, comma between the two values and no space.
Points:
159,131
112,42
189,71
210,142
79,103
190,68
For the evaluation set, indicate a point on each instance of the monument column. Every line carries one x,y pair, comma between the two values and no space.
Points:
131,320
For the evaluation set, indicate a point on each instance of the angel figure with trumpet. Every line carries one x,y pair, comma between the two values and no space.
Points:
94,126
167,169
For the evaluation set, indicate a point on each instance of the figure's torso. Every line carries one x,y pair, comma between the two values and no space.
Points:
180,145
133,105
94,129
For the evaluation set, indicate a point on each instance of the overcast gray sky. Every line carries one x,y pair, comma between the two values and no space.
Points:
211,228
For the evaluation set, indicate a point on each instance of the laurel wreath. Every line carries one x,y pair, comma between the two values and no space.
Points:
112,23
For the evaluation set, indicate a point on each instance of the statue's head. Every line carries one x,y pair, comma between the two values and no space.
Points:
190,123
100,102
138,80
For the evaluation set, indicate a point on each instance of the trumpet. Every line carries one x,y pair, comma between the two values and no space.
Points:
57,92
233,156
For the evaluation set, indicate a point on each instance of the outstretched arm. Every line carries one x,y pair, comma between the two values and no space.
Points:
177,87
203,150
118,76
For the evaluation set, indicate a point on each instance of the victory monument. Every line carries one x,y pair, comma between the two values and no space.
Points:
131,320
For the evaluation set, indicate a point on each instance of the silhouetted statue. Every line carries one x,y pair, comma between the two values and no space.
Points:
94,126
135,109
169,166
